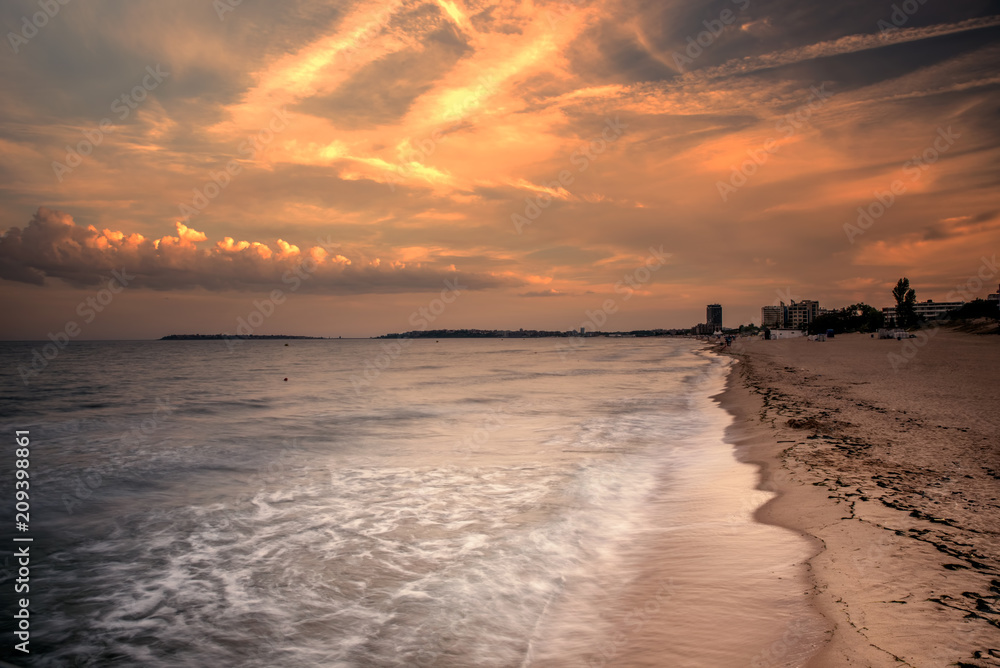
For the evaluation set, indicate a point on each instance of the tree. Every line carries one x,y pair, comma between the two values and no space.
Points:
826,322
866,318
858,317
906,298
977,308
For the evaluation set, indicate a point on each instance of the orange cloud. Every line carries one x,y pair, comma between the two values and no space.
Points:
52,245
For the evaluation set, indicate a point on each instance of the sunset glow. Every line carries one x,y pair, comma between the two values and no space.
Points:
532,151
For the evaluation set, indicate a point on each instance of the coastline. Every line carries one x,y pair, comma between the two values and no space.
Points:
892,474
696,559
754,443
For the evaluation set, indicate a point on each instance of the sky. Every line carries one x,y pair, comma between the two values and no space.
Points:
355,168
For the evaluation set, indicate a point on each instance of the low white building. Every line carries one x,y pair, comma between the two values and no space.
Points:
786,333
893,334
928,310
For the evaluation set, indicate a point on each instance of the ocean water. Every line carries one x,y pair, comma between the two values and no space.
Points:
504,503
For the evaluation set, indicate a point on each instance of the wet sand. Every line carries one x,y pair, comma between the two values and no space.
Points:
893,469
701,584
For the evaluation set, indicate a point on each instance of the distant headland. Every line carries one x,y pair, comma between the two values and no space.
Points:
222,337
523,333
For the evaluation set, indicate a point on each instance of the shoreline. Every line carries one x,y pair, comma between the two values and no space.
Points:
905,568
694,558
753,443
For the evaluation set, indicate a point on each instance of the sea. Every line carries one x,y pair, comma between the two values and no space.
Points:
501,503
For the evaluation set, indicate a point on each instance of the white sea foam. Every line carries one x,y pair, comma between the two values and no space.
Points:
379,540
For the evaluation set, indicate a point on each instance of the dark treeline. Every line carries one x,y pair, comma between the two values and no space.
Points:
220,337
858,317
521,333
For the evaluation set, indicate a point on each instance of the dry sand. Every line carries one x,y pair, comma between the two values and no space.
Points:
896,474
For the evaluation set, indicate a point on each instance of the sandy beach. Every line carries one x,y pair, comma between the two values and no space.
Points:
893,469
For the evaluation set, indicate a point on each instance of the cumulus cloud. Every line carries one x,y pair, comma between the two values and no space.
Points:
52,245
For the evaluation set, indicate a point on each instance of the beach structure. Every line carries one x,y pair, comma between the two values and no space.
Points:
892,334
786,333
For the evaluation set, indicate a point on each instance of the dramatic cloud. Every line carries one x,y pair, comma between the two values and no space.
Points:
52,245
531,149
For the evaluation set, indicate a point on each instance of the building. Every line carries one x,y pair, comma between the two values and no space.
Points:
801,314
713,316
798,315
994,297
928,310
897,334
786,333
772,316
